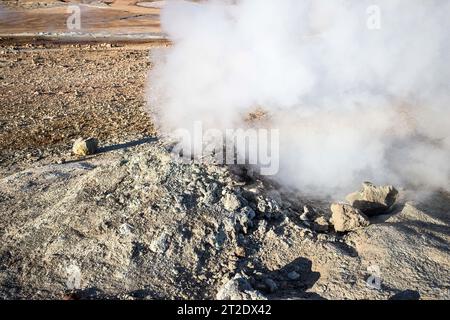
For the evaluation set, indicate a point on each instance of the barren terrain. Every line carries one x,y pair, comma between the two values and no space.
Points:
131,19
50,95
132,222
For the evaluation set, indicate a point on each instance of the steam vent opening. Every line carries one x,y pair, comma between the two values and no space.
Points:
224,150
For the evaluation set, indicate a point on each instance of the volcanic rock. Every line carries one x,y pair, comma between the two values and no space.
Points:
84,147
308,214
346,218
245,217
231,202
373,200
321,224
160,244
238,288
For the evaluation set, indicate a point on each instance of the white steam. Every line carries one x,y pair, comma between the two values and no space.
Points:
352,103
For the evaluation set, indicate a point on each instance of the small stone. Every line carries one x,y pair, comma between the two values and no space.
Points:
245,217
240,252
125,229
293,275
306,233
160,244
220,238
84,147
238,288
308,214
321,224
261,204
212,194
267,206
373,200
346,218
231,202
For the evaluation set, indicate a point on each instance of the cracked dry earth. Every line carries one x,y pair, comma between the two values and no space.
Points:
133,222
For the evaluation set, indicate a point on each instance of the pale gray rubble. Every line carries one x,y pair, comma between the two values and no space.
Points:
373,200
346,218
136,224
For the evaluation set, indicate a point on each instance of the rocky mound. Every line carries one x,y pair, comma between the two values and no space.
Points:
136,224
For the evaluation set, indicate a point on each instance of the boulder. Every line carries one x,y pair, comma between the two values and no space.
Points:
84,147
373,200
346,218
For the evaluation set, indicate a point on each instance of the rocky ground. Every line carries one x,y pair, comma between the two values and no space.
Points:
50,95
133,222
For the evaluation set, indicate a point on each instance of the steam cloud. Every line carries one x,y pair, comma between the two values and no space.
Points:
352,103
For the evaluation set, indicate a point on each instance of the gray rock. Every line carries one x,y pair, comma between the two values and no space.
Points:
321,224
160,244
373,200
231,202
346,218
267,207
308,214
212,194
220,238
84,147
238,288
245,217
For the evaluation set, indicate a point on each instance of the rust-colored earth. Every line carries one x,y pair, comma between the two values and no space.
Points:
50,16
51,94
56,87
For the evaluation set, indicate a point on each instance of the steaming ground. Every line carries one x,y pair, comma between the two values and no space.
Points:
352,101
138,225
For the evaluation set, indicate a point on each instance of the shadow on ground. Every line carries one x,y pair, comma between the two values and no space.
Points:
126,145
406,295
291,281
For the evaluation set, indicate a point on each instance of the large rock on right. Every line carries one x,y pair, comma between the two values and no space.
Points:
373,200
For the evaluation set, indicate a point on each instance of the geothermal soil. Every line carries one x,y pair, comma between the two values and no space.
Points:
132,222
52,94
102,18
